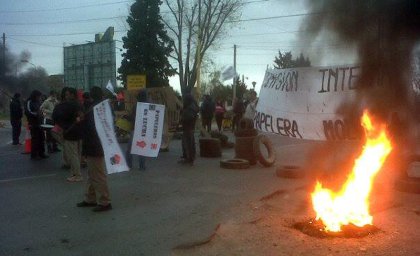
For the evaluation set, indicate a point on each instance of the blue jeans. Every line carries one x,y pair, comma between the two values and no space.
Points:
129,156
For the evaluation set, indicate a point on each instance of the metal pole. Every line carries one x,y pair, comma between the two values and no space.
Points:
234,70
4,54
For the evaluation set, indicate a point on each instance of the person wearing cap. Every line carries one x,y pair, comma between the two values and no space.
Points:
16,114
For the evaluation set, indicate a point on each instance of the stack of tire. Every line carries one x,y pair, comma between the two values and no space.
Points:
244,140
210,147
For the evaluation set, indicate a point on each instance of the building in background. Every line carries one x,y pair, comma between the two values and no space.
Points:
91,64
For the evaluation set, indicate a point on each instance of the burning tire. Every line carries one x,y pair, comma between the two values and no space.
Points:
271,158
235,163
210,147
290,172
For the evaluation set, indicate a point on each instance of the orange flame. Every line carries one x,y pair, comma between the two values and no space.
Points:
351,204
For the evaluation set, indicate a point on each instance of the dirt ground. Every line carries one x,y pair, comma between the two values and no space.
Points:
265,227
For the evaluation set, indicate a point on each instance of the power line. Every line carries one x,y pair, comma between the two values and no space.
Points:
60,22
65,8
30,42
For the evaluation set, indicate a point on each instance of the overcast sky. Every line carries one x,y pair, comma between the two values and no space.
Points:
43,26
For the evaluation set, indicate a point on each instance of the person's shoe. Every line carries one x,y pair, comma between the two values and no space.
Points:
44,156
65,166
186,162
74,179
86,204
102,208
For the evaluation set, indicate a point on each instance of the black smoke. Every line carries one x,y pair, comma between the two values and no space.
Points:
384,33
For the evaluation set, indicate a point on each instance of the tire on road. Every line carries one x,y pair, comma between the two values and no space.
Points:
244,149
235,163
269,160
210,147
245,124
246,133
290,172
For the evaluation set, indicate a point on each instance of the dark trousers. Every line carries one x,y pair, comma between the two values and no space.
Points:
37,141
206,123
188,145
235,123
16,128
219,121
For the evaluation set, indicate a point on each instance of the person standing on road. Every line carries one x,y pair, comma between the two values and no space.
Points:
207,111
141,97
238,111
65,115
47,108
97,192
16,115
188,118
252,105
219,114
34,116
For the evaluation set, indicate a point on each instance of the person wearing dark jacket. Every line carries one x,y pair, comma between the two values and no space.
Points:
16,115
97,192
65,115
141,97
34,117
189,117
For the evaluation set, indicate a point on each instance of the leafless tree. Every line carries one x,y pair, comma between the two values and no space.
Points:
195,26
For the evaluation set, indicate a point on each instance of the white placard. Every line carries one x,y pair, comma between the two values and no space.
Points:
148,129
114,158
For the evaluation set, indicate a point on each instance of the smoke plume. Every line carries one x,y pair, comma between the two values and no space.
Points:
384,33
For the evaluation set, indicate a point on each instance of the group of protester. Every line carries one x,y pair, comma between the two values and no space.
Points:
209,109
70,123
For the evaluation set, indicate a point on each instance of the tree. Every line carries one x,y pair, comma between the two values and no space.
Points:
286,61
148,45
196,26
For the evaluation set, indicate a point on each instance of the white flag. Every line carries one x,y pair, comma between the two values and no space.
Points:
228,73
110,88
114,158
148,129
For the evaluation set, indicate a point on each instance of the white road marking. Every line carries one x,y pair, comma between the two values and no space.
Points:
28,178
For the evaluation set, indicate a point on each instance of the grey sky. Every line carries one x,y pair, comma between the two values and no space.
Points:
44,26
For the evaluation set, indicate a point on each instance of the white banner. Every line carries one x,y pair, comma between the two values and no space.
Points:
302,102
148,129
114,158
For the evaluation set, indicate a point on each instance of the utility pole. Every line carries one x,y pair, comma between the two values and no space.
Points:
234,71
4,54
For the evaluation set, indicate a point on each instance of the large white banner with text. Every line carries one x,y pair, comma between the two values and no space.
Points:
148,129
302,102
104,122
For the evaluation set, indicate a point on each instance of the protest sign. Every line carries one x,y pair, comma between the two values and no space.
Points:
148,129
114,158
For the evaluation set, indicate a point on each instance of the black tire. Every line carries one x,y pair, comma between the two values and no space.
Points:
271,158
290,172
235,163
409,185
210,147
246,133
244,149
245,124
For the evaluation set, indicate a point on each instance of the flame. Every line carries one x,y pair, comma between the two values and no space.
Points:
351,204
